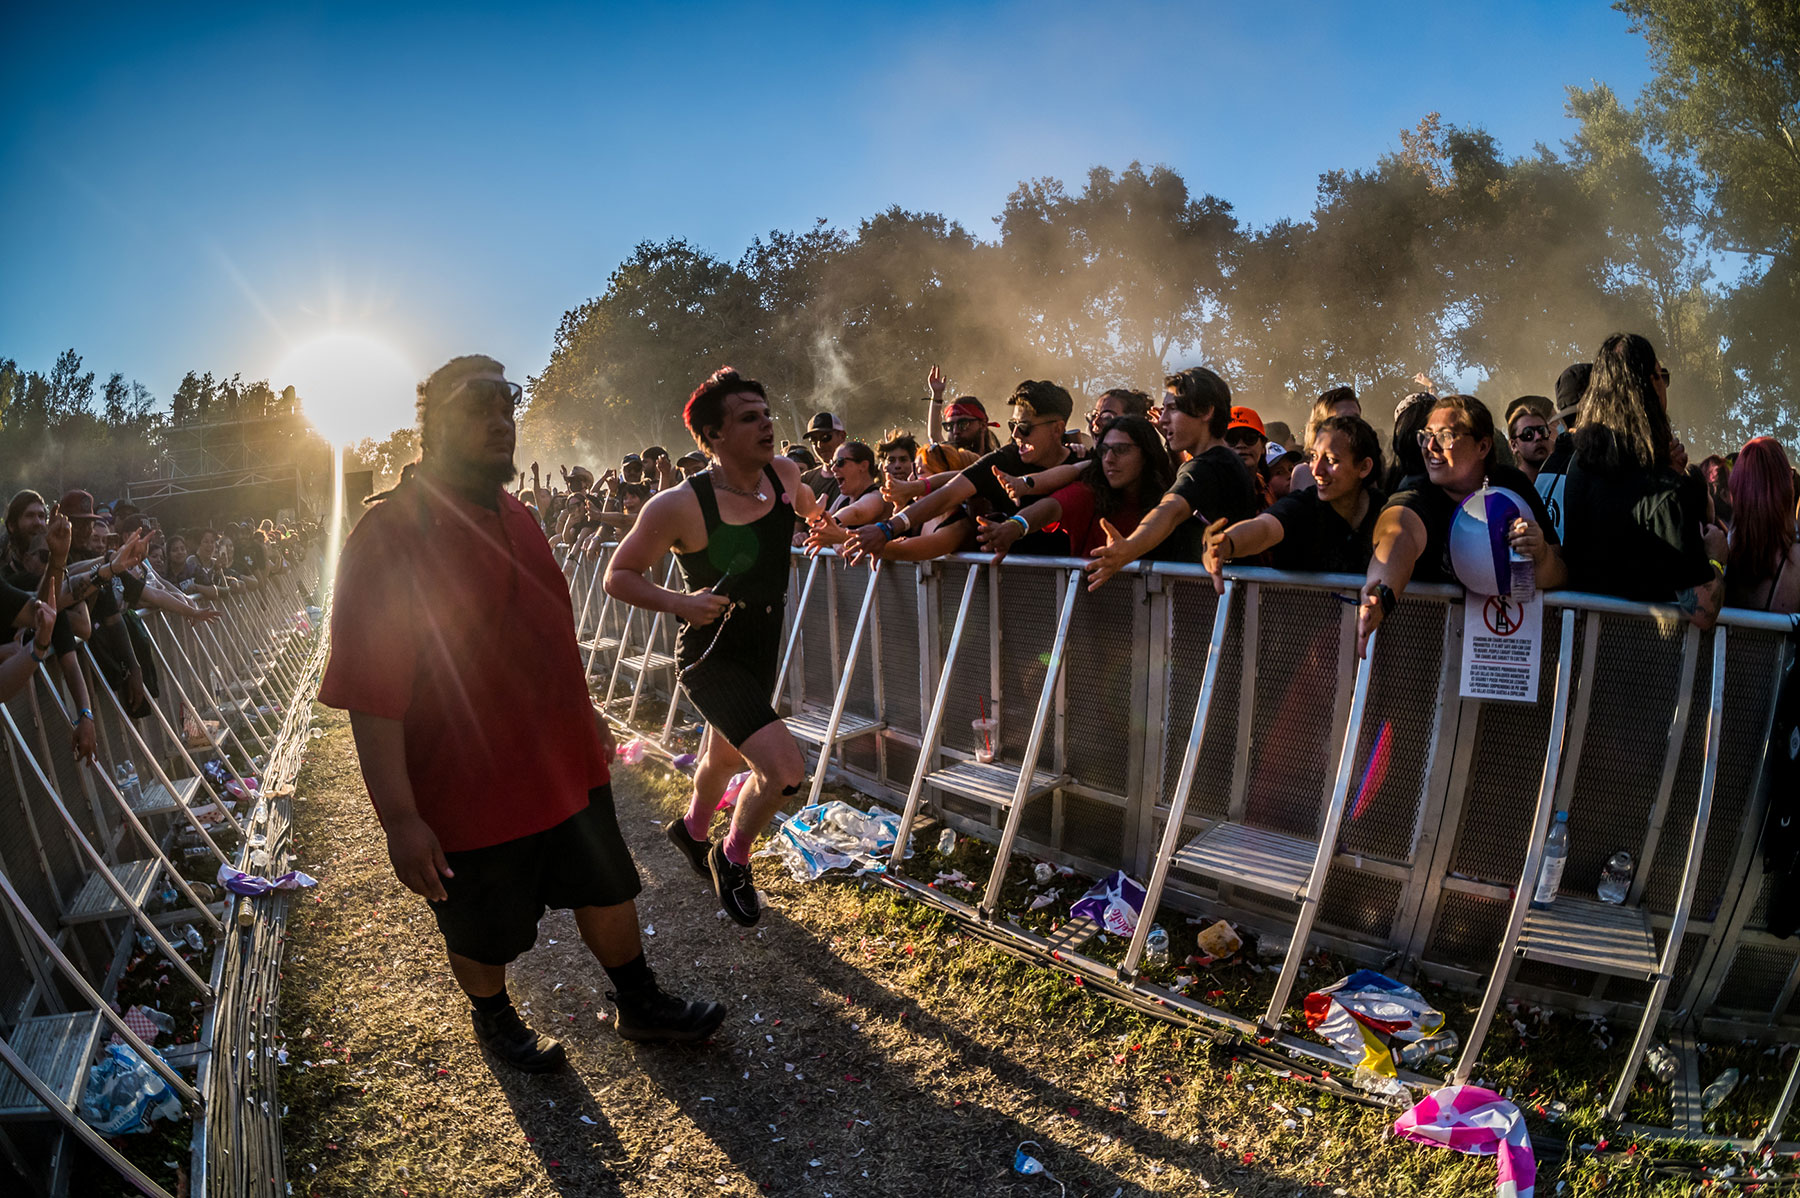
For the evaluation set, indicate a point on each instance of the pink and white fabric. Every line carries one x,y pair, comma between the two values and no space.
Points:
1478,1122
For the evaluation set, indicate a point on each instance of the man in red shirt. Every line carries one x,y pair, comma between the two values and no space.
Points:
453,649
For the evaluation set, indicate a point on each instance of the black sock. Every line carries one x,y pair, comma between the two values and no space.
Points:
493,1004
633,975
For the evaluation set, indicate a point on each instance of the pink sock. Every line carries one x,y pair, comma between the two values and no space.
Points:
737,845
698,822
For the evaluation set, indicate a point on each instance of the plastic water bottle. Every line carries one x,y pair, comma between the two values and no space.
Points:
1556,859
1663,1063
1615,878
1156,946
1722,1086
946,842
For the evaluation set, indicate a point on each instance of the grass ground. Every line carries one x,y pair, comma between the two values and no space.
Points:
871,1049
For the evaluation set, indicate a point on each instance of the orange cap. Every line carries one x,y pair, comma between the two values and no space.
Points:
1246,418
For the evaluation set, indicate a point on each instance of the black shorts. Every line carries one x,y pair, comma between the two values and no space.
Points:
732,684
500,892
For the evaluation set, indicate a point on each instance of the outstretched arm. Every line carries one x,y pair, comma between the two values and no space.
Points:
1120,551
1246,538
1399,540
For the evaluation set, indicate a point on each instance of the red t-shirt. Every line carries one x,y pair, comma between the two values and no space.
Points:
456,621
1079,521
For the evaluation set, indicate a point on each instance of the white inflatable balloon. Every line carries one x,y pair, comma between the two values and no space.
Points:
1479,554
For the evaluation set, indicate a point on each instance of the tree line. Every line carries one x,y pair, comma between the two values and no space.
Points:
1675,215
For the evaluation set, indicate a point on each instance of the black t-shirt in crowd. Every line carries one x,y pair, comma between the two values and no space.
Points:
16,590
1216,484
1436,509
992,500
1629,533
1315,538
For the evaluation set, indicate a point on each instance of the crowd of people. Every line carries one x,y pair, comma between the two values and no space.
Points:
1614,504
74,570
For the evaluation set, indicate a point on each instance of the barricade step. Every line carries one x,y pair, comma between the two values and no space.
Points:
992,781
56,1048
1073,935
1255,858
810,723
96,899
604,644
651,661
1592,935
155,799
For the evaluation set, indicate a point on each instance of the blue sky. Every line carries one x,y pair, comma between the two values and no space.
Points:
209,189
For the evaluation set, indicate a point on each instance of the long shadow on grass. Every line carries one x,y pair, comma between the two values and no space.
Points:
579,1158
876,1126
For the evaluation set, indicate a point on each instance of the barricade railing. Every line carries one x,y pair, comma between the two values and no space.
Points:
81,861
1633,732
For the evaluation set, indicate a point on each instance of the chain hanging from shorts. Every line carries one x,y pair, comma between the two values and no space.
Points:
724,618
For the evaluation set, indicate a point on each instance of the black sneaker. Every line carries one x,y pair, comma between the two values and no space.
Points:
649,1013
734,886
693,850
509,1039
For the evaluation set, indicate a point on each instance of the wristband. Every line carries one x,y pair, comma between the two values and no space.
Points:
900,520
49,650
1030,483
887,530
1015,518
85,714
1384,594
1717,565
928,484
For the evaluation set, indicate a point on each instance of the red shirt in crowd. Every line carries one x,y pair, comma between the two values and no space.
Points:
1079,521
455,620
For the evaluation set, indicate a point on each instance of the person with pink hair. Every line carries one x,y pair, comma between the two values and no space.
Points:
1763,571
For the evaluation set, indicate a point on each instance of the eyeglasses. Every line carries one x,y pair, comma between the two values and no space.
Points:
1537,432
1114,449
960,423
836,462
1242,436
1023,428
1100,415
1662,375
1443,438
488,390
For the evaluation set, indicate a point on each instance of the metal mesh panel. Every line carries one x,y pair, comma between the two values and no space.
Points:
1403,701
1093,830
1292,740
1360,903
1636,673
861,755
1105,701
1192,609
1755,979
818,667
1751,659
897,605
20,852
902,761
1037,821
1467,930
970,683
853,584
1505,771
1029,601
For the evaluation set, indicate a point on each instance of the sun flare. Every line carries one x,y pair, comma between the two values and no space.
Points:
350,386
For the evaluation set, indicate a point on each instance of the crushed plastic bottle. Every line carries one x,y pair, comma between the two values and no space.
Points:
1556,859
1418,1052
946,842
1043,871
1156,946
190,935
1615,877
1721,1088
1664,1064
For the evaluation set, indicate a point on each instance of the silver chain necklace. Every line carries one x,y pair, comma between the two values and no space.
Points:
718,480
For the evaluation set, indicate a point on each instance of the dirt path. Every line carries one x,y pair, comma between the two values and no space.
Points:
868,1052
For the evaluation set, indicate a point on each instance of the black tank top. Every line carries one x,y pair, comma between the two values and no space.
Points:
748,562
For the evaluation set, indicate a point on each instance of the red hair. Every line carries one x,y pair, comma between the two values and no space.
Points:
1762,509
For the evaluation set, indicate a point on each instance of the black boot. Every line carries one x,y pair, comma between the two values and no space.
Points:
506,1035
650,1013
734,886
693,850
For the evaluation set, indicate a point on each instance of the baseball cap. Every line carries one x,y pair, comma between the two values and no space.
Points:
692,457
1277,451
581,472
823,425
78,505
1571,385
1417,397
630,458
655,451
1246,418
803,455
965,409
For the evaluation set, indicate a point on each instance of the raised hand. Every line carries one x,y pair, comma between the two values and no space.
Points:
901,492
1216,553
825,533
866,539
1109,558
1425,383
58,536
1020,488
998,536
131,553
935,381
